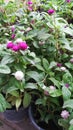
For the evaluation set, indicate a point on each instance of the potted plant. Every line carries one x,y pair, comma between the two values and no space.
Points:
15,61
46,69
52,38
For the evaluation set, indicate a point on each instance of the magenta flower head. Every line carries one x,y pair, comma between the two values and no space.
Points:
59,64
22,45
10,45
68,1
29,2
15,48
65,114
51,11
66,85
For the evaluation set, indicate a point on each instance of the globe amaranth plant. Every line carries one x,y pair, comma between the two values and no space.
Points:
37,61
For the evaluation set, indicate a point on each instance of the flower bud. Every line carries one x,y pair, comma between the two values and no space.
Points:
71,60
59,64
13,28
52,87
51,11
29,2
65,114
46,93
13,36
19,75
68,1
18,40
63,68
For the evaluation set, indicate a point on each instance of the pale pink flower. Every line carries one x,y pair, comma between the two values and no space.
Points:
65,114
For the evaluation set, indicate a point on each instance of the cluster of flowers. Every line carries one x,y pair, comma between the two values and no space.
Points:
51,11
19,45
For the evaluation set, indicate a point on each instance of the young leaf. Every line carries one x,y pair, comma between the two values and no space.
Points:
26,100
18,103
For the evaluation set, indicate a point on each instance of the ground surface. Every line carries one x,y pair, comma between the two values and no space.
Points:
23,125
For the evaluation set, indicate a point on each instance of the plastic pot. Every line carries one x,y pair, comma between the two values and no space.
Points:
30,112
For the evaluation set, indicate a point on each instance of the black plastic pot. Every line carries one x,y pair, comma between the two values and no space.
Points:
30,112
51,126
14,115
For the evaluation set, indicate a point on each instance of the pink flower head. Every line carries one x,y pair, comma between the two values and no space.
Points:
46,93
68,1
10,45
13,36
51,11
71,60
22,45
65,114
29,2
63,68
59,64
66,85
52,87
30,8
15,48
13,28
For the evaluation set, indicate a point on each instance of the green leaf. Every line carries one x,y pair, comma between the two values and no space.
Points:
45,64
55,82
3,103
26,100
39,67
68,31
68,104
36,76
4,69
63,123
52,64
31,86
55,93
71,122
11,89
18,103
7,59
66,93
71,127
